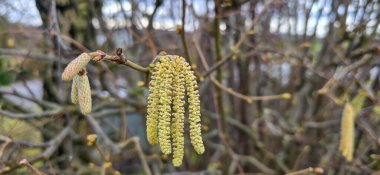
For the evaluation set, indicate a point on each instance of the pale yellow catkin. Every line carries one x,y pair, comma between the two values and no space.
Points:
84,94
74,90
164,127
194,108
171,78
178,112
153,105
75,66
347,134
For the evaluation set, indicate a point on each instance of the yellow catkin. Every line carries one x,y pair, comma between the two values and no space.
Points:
164,108
171,78
74,90
178,112
194,108
75,66
153,104
84,94
347,134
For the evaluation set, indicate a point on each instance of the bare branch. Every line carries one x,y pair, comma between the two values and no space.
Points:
31,168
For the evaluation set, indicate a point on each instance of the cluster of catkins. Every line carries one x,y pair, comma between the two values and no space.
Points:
171,78
80,88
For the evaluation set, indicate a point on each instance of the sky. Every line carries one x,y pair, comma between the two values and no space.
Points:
25,11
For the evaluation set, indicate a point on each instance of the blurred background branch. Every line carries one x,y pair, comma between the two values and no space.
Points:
273,78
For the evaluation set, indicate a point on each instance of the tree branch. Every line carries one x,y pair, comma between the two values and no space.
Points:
118,58
247,98
182,33
236,46
53,145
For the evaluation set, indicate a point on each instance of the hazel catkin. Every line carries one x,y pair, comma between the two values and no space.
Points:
172,77
74,90
76,65
194,108
178,113
153,105
165,109
84,94
347,134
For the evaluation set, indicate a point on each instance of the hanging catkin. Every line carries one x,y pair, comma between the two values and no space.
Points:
347,134
194,109
74,90
171,78
165,110
76,65
84,94
153,105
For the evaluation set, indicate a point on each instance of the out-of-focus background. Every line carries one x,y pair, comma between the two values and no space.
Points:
274,74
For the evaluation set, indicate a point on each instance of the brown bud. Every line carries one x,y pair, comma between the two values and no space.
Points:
91,139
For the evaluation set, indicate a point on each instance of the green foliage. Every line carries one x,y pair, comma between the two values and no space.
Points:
359,100
6,78
376,110
21,130
315,47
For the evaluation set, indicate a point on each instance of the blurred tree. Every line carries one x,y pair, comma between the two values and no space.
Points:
274,77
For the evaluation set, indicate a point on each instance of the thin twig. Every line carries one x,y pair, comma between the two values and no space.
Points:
29,54
28,116
182,33
140,152
236,46
246,159
2,148
99,131
218,50
31,168
309,170
250,132
141,155
101,152
247,98
340,74
54,109
21,143
53,146
120,58
123,122
372,49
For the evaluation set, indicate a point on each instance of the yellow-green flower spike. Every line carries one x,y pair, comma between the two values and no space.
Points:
165,109
178,112
84,94
153,105
74,90
194,108
347,135
73,68
171,78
